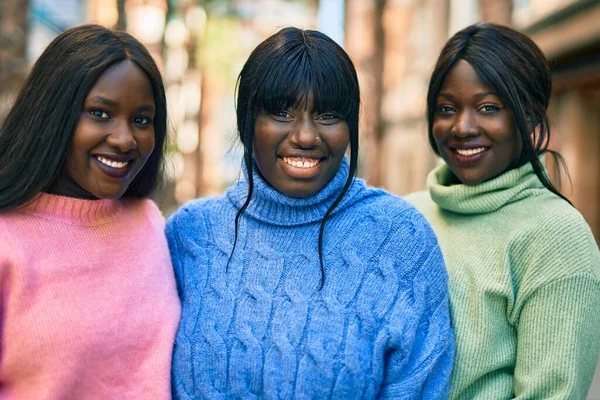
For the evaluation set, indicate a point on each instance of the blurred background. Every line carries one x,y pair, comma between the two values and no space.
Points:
201,46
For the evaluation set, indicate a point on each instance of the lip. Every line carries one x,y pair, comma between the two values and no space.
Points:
301,172
113,172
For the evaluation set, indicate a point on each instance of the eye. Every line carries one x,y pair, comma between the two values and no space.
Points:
142,121
445,109
99,114
282,115
328,117
489,109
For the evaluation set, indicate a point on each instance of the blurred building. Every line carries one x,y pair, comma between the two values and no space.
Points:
569,34
395,44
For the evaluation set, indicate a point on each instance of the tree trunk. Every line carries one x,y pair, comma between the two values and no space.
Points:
122,19
13,42
365,42
496,11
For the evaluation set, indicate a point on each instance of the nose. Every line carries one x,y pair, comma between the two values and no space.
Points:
122,137
304,134
466,124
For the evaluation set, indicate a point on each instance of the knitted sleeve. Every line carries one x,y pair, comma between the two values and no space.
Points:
557,313
420,368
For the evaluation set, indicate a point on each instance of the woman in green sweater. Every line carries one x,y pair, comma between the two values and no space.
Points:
523,265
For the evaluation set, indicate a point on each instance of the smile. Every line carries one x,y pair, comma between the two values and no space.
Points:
302,167
467,157
470,152
301,162
112,163
113,168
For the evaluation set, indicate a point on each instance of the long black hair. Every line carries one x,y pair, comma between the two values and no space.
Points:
37,132
516,68
281,72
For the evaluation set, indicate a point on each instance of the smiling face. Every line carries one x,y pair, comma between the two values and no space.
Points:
473,129
299,150
113,138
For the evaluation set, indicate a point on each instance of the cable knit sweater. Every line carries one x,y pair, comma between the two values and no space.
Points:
89,306
261,328
524,286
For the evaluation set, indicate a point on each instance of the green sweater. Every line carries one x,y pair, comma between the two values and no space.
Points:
524,286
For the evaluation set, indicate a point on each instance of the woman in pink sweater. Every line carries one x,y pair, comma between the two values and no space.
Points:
88,303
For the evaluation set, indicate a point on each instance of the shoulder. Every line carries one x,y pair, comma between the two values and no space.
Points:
12,246
418,198
12,225
145,211
195,215
379,202
557,238
423,202
381,218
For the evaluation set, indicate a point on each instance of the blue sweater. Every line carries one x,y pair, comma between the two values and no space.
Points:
261,328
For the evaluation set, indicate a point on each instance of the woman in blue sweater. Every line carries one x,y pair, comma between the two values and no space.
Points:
301,282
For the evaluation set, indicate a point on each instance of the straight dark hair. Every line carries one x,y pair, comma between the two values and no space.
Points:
37,132
281,73
516,68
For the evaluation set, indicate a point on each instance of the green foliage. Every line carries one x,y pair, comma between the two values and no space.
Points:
220,49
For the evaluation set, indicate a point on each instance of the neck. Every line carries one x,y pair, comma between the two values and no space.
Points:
65,186
485,197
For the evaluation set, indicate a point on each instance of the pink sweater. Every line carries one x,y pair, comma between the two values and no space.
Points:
88,306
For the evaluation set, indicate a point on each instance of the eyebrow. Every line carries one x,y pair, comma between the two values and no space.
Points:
112,103
477,96
104,100
484,94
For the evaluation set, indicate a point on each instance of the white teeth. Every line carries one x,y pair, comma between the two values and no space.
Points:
112,163
301,162
470,152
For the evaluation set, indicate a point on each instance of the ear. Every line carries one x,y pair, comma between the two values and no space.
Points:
532,124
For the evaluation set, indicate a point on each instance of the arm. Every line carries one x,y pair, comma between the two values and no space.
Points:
421,367
557,313
558,340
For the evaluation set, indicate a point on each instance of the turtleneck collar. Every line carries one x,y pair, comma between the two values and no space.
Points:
271,206
488,196
70,210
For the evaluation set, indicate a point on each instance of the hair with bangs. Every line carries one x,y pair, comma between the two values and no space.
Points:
514,66
36,135
281,73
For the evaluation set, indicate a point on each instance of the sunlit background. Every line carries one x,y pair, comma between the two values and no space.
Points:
201,46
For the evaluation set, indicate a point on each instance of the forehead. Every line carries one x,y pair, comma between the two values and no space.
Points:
464,77
124,81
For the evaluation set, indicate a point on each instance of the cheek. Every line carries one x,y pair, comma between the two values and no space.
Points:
439,132
264,146
339,139
146,144
76,157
